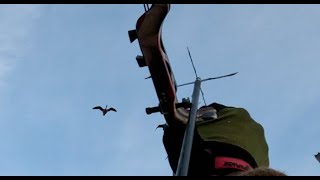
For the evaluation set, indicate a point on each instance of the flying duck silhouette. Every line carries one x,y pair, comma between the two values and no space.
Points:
105,110
317,156
163,126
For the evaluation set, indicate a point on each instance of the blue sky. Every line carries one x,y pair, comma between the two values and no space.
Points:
59,61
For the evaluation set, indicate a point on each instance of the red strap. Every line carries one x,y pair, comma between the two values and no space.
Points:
222,162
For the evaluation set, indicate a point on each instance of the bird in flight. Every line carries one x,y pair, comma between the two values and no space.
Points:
105,110
163,126
317,157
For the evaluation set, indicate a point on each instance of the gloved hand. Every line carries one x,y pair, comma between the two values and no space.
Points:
210,112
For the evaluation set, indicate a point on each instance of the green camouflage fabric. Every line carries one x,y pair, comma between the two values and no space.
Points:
235,126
